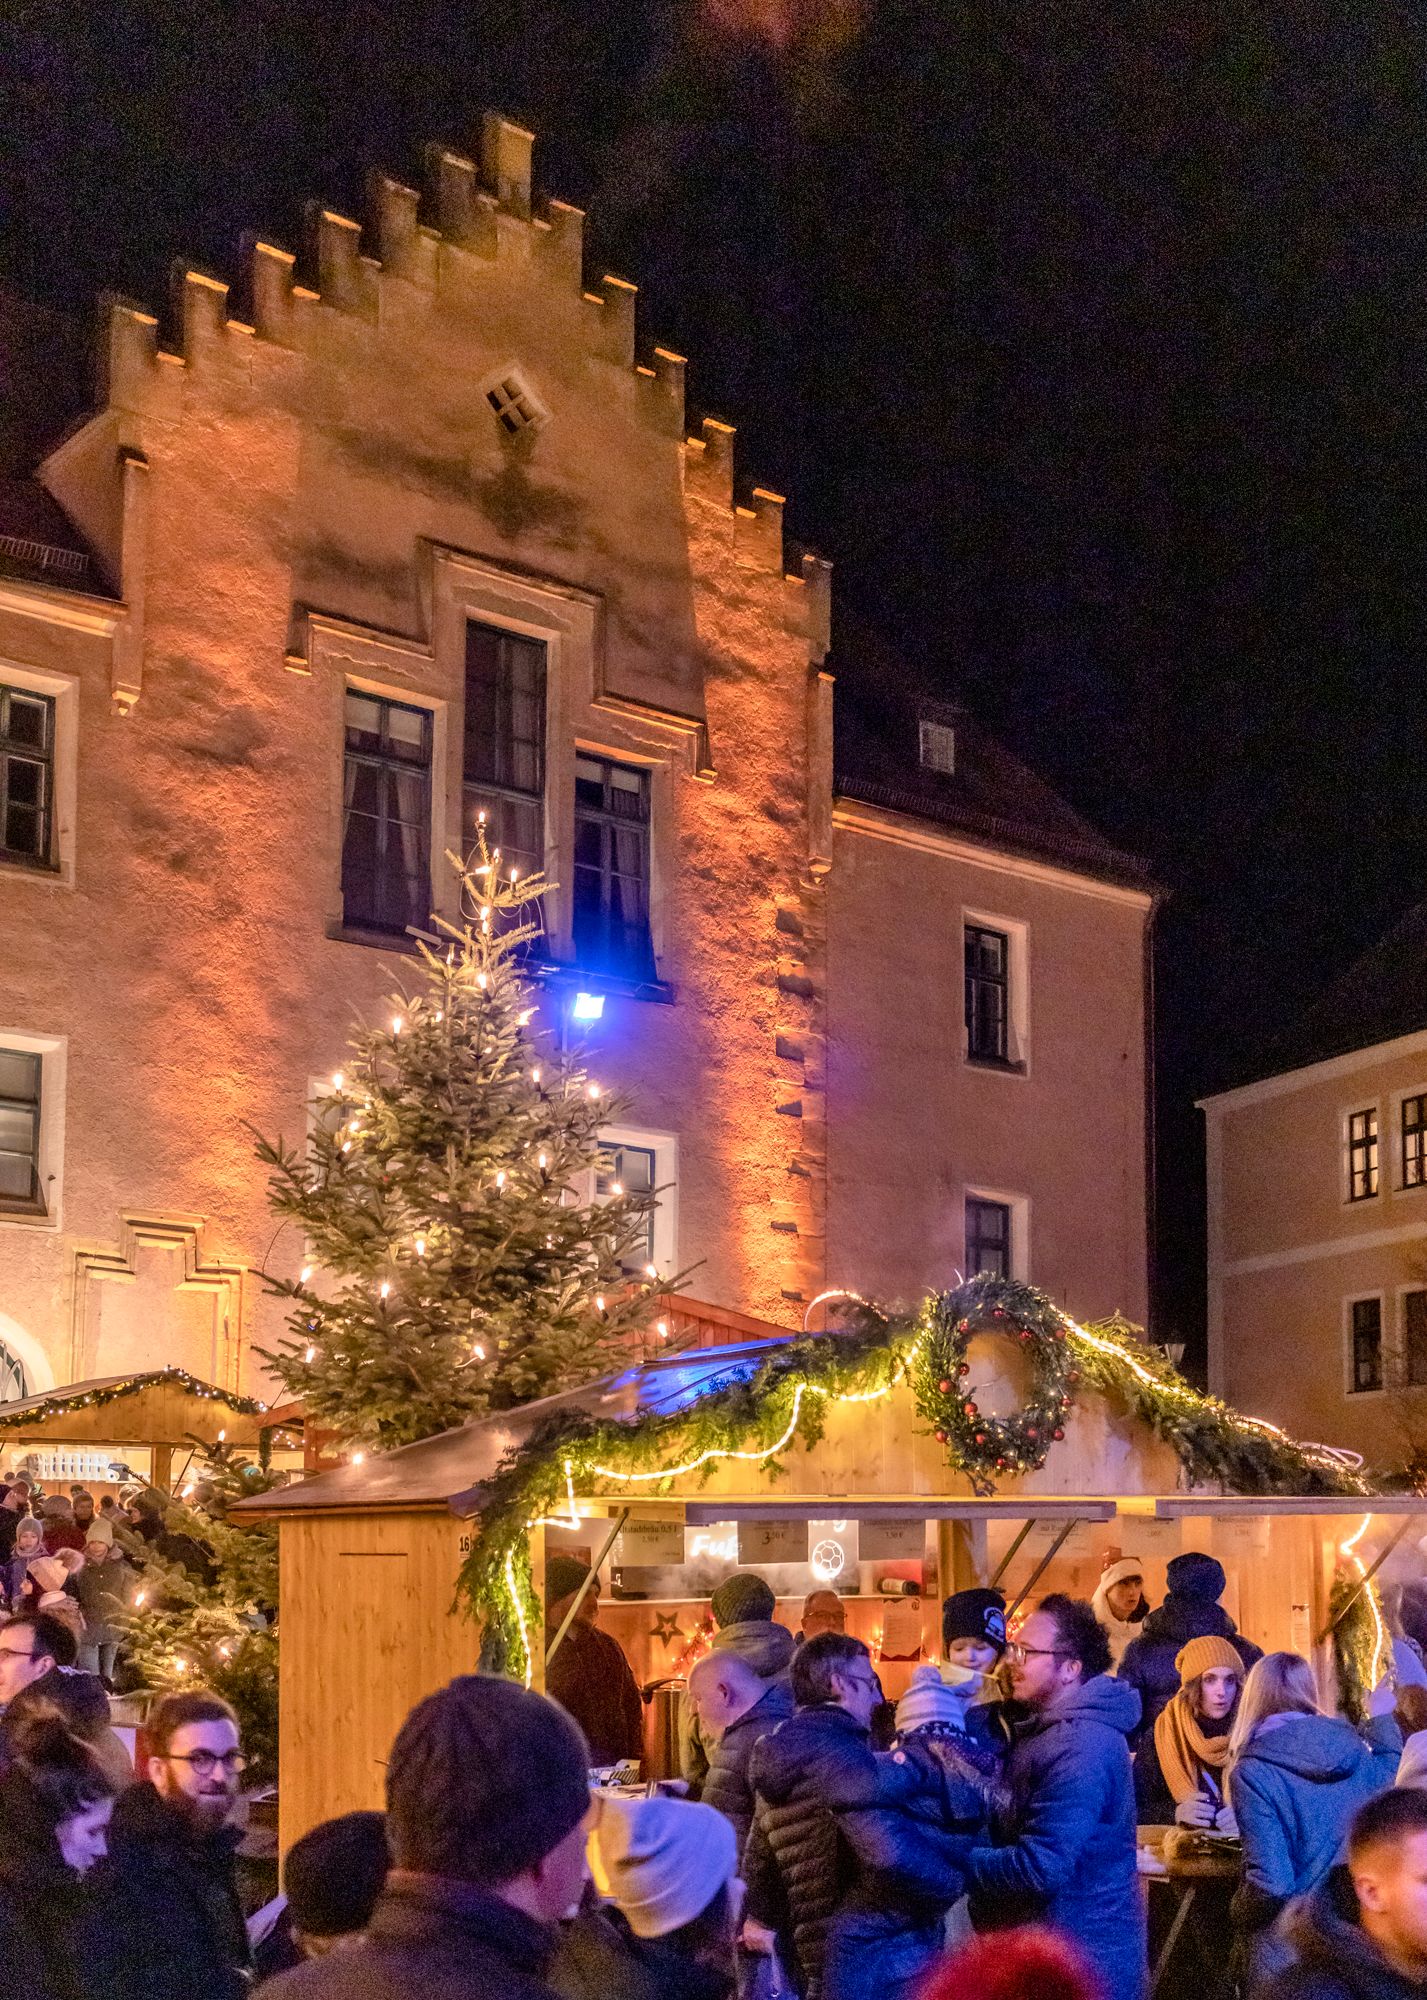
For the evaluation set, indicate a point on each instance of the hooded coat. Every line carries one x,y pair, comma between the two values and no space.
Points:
1294,1790
43,1905
839,1862
1333,1958
1067,1856
1190,1611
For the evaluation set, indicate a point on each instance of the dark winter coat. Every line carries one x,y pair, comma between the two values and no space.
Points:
727,1785
43,1906
432,1939
600,1958
1068,1857
169,1924
1148,1665
1295,1790
1332,1957
1154,1801
768,1648
591,1680
839,1862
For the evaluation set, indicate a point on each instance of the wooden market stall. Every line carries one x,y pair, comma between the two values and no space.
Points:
371,1551
90,1431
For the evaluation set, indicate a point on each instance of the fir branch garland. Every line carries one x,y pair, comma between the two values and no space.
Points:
63,1402
784,1402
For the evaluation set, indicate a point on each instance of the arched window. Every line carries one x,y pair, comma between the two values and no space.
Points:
13,1385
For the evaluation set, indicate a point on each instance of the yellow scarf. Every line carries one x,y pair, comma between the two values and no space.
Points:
1184,1750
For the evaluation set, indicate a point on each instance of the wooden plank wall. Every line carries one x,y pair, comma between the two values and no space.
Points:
366,1632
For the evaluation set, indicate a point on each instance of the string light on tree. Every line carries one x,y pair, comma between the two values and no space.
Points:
452,1219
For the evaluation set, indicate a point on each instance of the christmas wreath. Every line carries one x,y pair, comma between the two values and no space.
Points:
982,1446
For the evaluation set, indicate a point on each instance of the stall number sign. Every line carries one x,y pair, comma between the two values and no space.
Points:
772,1541
649,1544
891,1540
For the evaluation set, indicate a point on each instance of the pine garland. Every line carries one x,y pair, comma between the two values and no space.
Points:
64,1402
785,1401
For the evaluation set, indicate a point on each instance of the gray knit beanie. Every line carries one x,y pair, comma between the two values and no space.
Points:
741,1597
484,1779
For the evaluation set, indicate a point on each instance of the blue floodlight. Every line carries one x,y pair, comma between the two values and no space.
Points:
588,1007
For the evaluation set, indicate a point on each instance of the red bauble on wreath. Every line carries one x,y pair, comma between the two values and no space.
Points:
979,1445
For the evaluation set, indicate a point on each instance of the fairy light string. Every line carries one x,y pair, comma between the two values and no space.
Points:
865,1364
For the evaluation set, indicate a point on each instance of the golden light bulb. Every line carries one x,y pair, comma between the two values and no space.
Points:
310,1355
662,1329
385,1289
396,1024
337,1079
535,1074
651,1270
421,1246
479,1351
543,1162
593,1089
500,1178
359,1458
617,1188
304,1274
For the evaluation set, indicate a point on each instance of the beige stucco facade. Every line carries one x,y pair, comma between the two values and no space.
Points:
312,495
1291,1250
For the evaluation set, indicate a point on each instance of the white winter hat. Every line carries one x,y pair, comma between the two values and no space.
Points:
664,1860
929,1699
1121,1572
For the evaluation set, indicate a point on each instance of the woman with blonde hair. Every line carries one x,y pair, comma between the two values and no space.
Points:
1296,1778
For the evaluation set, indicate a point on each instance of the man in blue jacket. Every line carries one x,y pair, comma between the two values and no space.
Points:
1068,1852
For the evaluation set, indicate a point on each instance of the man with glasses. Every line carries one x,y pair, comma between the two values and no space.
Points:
30,1646
170,1925
1067,1856
853,1858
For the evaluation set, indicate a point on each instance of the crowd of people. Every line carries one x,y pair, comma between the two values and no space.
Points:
978,1841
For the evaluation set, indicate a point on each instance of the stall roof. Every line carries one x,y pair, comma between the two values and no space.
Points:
450,1469
158,1407
1175,1506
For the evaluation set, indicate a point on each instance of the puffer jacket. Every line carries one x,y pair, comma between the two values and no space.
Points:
1067,1856
1148,1665
1332,1957
768,1647
839,1861
727,1786
1295,1790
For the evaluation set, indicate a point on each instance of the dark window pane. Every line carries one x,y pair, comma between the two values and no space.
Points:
20,1077
1362,1155
26,775
1367,1344
611,889
505,710
386,839
988,1237
1414,1141
987,955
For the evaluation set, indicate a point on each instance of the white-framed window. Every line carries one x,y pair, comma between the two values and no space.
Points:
39,762
636,1161
515,405
1364,1333
391,753
996,1024
1362,1170
32,1090
996,1233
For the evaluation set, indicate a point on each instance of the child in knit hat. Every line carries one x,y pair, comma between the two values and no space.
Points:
29,1544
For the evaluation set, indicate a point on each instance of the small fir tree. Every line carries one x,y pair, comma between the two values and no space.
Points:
446,1193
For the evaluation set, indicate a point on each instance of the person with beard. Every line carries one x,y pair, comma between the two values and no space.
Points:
1362,1934
55,1805
1120,1603
169,1923
1191,1610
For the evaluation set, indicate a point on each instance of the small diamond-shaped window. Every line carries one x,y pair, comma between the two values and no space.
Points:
516,405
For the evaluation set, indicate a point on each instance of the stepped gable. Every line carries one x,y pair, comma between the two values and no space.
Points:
472,213
992,797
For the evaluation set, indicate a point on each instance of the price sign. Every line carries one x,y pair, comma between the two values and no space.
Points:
772,1541
889,1540
649,1544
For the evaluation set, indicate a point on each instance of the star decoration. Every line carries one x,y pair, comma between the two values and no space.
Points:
666,1628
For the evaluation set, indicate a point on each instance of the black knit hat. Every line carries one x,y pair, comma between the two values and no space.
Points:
1196,1575
484,1779
563,1577
975,1614
741,1597
334,1874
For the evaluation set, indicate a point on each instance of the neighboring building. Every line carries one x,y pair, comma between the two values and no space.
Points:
1317,1184
417,539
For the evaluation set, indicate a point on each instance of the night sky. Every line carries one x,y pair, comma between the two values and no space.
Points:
1088,339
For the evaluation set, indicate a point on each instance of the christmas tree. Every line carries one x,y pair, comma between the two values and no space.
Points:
461,1259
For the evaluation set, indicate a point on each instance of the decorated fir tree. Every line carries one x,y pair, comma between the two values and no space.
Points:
461,1258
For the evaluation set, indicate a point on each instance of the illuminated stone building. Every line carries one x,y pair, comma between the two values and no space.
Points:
414,530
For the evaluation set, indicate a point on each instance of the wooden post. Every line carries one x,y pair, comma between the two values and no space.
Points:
162,1475
962,1557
